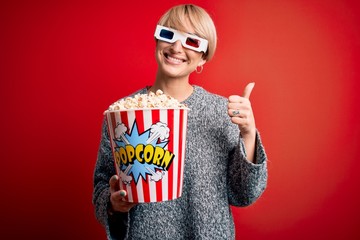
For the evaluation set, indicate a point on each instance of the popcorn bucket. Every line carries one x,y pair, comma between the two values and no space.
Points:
148,146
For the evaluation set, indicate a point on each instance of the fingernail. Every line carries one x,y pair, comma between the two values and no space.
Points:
122,193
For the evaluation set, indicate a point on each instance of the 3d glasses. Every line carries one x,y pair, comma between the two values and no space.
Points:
189,41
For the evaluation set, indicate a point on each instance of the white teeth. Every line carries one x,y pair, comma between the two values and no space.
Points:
175,59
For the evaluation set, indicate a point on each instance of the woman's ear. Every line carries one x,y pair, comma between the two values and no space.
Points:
202,61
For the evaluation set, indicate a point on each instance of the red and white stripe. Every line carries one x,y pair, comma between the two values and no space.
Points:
170,186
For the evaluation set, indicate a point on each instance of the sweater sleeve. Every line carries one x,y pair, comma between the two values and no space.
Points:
116,225
247,180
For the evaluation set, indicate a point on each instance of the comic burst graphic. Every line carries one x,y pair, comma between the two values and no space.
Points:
157,135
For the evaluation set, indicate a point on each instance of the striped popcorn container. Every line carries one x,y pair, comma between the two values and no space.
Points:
148,146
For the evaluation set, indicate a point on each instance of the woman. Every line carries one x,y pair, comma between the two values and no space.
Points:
225,159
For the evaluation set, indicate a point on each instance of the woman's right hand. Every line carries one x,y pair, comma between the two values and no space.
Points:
117,202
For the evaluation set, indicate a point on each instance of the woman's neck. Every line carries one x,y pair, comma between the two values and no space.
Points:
179,89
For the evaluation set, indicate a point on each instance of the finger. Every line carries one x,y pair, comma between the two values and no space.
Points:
248,89
126,206
239,121
122,193
114,183
236,120
234,105
234,113
235,99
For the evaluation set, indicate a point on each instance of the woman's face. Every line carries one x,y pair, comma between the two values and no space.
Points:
176,61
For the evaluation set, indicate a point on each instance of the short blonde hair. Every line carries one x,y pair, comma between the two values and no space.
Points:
199,19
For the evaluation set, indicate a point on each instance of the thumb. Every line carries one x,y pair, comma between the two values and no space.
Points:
248,89
114,183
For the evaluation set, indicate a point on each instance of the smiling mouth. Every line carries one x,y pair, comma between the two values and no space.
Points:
173,59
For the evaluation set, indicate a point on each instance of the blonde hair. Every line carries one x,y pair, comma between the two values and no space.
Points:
200,20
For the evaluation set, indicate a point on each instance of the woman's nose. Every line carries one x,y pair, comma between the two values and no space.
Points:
176,46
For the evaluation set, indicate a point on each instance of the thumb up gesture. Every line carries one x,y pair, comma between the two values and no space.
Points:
240,112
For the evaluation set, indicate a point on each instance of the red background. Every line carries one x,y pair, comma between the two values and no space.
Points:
63,62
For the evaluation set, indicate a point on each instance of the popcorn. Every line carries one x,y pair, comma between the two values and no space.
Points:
143,101
145,124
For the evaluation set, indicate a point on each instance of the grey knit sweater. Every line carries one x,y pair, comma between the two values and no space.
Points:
217,175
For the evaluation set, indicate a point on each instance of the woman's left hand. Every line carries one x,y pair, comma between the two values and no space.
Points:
240,112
